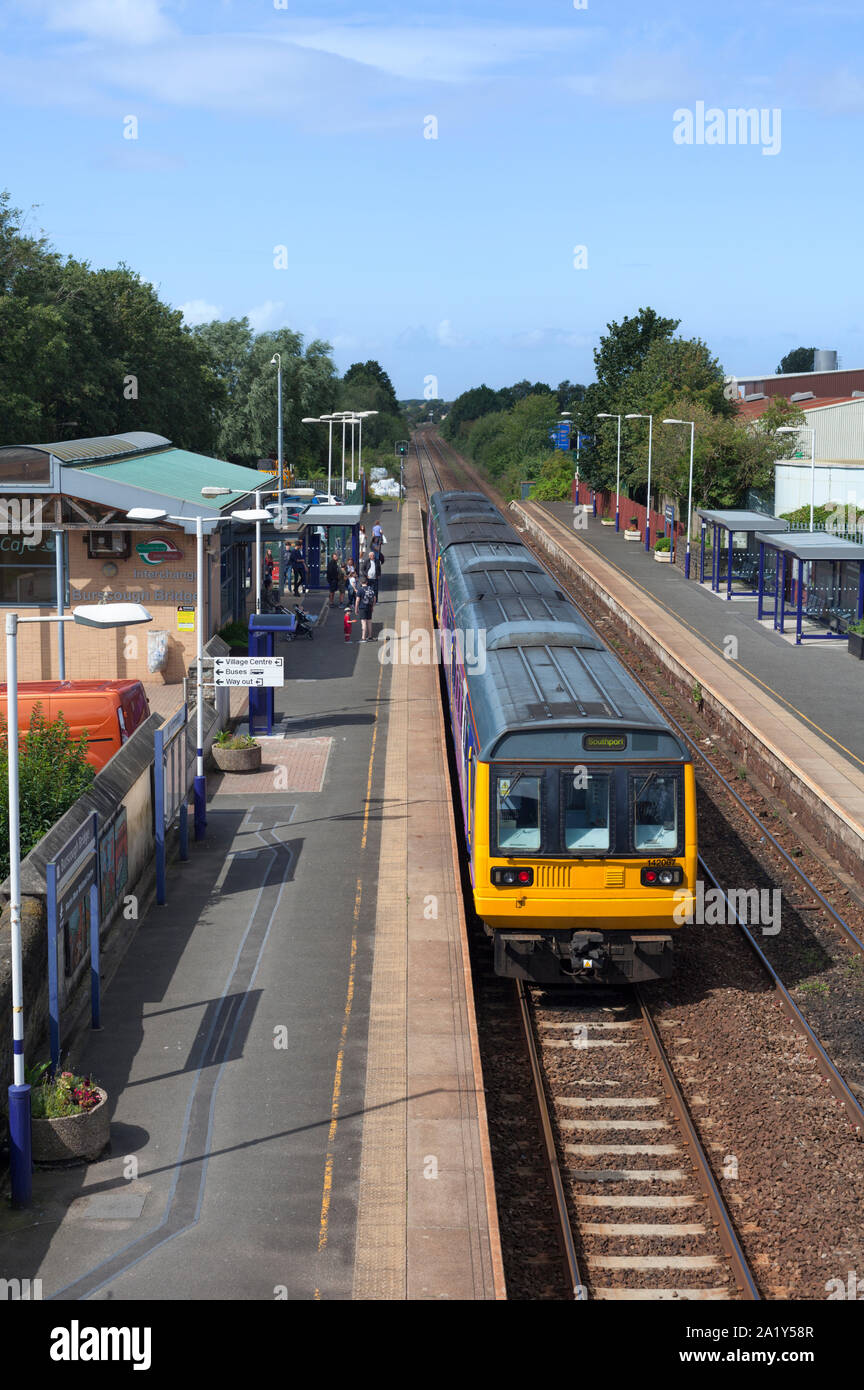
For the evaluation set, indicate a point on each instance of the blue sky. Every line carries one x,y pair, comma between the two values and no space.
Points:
267,123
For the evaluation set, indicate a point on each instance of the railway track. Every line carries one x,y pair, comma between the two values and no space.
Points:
624,1155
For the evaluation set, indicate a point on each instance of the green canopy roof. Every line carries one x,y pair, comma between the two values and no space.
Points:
177,473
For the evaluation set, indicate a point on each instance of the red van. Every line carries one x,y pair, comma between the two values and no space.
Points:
109,711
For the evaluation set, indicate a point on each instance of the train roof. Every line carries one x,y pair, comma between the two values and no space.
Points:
535,699
538,675
527,620
482,578
460,517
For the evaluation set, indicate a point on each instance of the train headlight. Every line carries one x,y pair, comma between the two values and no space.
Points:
512,878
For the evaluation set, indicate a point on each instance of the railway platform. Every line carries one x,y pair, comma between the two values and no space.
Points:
800,713
289,1045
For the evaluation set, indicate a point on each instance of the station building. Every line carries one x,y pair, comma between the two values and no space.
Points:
75,495
839,442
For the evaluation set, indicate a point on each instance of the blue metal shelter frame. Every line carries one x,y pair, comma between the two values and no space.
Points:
735,522
810,548
173,774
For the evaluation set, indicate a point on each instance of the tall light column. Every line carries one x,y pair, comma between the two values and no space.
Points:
650,419
605,415
277,359
692,425
61,602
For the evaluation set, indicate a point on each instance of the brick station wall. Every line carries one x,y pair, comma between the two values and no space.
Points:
119,653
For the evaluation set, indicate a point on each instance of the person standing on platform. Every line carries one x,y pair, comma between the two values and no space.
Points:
366,605
333,577
370,570
298,570
361,542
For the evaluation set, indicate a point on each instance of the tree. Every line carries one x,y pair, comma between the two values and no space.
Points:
86,352
624,348
467,408
366,386
248,424
52,773
731,454
800,359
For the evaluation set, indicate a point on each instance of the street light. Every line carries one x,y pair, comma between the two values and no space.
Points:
362,415
605,415
88,615
798,429
276,360
256,514
155,514
650,419
692,425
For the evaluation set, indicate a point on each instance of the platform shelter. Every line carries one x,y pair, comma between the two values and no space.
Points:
827,590
733,533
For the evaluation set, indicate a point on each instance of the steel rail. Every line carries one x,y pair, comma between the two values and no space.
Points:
745,1282
553,1168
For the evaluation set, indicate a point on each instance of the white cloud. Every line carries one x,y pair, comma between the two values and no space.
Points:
441,54
265,315
529,339
197,311
447,338
123,21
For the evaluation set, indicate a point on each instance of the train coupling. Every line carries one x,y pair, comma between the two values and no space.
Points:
589,956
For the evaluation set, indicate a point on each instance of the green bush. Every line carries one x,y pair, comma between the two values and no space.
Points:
857,628
236,634
664,543
52,772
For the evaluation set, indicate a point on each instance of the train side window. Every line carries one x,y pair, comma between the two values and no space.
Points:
587,820
517,812
655,810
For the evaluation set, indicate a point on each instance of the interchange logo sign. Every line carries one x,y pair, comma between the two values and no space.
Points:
155,552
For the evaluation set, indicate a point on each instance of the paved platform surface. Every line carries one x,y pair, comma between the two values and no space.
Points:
289,1044
815,727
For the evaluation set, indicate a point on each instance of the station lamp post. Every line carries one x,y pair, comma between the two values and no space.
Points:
102,615
324,420
605,415
650,419
258,515
151,514
800,429
692,426
362,415
276,360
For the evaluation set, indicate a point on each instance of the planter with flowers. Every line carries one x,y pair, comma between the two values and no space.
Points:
70,1122
856,639
663,550
236,752
632,533
607,519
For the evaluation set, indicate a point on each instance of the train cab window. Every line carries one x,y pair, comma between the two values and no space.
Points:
517,815
655,811
586,813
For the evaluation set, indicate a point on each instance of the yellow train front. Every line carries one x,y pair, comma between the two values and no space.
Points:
577,798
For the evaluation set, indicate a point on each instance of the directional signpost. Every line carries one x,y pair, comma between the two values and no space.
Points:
560,435
248,670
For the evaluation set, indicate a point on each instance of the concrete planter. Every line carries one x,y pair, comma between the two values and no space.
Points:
663,557
75,1138
237,759
632,535
607,521
856,645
